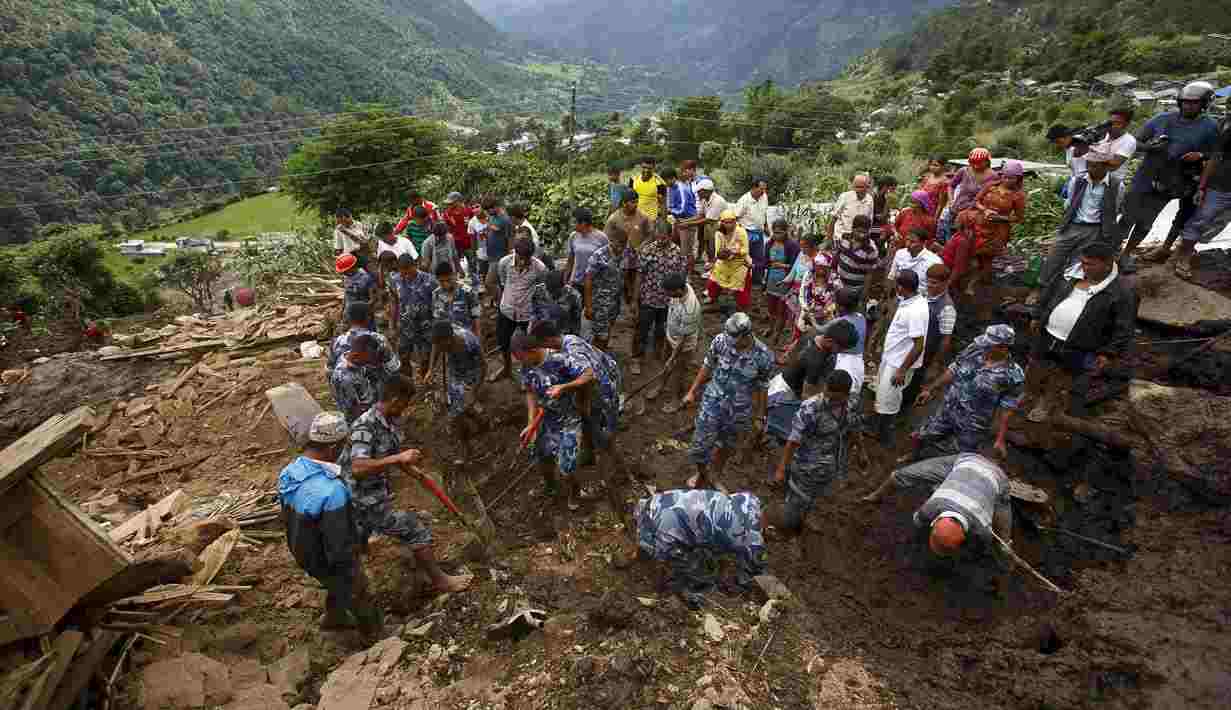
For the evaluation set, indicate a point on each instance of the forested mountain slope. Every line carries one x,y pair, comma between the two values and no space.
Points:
722,41
88,89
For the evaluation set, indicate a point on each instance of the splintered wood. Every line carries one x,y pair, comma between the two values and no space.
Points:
238,330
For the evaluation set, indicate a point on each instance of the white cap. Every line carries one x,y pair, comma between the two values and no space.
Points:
705,184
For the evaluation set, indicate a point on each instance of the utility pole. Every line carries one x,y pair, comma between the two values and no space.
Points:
572,130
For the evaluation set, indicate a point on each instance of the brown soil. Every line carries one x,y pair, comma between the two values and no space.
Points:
875,625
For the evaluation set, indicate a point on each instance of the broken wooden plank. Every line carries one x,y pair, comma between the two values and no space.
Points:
213,557
49,439
166,467
179,381
65,648
294,408
151,518
157,350
81,670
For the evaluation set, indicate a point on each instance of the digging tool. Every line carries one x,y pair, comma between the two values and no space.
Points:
1083,538
441,496
534,432
635,403
1024,565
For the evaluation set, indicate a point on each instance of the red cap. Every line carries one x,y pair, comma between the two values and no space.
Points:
345,263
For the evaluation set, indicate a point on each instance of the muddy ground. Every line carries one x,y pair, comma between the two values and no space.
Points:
874,624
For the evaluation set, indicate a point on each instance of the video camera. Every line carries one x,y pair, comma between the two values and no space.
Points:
1092,134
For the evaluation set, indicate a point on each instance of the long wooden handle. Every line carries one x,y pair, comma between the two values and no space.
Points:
1025,565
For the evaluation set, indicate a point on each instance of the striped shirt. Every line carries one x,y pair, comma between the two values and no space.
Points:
855,263
971,493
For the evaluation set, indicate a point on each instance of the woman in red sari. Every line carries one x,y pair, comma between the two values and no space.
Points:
936,184
984,230
918,215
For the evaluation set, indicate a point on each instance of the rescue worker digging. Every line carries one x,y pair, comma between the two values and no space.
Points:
375,454
319,515
466,371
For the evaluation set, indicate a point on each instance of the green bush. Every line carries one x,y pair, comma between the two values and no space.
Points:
712,153
742,169
515,177
882,144
552,214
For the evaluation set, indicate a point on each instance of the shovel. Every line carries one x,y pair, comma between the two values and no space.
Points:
484,530
635,402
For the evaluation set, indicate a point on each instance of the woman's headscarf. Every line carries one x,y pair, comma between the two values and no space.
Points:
923,198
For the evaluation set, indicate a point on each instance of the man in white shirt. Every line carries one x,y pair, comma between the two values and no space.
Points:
710,206
349,236
915,256
1118,143
397,244
752,210
903,354
850,204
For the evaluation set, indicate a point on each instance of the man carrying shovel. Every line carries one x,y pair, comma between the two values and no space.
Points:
683,334
374,456
466,371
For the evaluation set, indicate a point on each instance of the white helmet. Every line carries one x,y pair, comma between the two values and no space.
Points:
1201,91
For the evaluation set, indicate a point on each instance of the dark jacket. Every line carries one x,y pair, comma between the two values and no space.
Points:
1106,324
320,523
1111,230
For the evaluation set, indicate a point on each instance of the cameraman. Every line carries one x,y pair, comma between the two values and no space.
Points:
1118,143
1176,144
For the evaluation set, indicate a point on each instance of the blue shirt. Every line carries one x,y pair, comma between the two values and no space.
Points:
615,193
499,233
1090,211
1200,134
681,201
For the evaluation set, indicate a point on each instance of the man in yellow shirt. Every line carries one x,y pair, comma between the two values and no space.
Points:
731,273
651,190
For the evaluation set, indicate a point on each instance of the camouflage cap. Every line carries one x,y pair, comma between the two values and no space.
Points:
328,428
999,334
738,325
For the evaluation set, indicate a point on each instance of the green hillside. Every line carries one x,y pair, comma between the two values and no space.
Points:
112,97
275,212
1059,40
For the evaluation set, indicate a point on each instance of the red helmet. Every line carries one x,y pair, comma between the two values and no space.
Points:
344,263
981,156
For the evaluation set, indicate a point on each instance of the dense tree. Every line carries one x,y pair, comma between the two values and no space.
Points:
691,121
367,161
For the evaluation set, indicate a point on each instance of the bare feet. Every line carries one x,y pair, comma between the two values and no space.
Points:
455,583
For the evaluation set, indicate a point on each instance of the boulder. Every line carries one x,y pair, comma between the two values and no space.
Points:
248,673
258,697
350,686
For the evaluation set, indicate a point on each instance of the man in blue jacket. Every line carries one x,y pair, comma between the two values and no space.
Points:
320,525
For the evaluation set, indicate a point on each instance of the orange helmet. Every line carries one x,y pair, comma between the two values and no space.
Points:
947,536
980,155
344,263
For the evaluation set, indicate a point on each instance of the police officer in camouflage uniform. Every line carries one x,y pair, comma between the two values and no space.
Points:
357,381
358,284
817,449
411,309
691,529
985,388
604,284
553,300
358,315
455,301
735,376
375,454
466,371
556,382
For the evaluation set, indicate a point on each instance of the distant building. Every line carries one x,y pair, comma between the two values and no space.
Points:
1116,82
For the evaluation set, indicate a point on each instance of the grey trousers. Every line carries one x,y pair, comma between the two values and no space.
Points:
1070,240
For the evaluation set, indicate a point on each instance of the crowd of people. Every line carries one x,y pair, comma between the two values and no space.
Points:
877,285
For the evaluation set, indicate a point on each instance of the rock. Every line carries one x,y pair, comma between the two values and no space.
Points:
350,686
248,673
40,360
768,613
290,672
386,654
215,677
11,377
517,626
773,588
585,667
108,350
197,536
173,683
713,629
258,697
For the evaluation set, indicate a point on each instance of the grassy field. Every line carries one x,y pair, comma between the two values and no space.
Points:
274,212
127,270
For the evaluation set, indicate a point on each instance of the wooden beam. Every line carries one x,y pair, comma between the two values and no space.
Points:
79,673
158,350
65,648
151,516
164,468
49,439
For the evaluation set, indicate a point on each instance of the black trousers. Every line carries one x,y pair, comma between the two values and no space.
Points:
505,327
649,319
